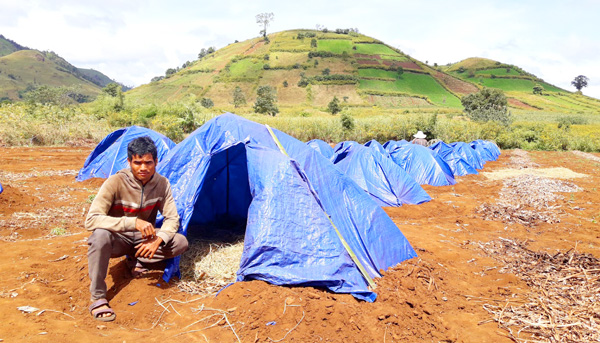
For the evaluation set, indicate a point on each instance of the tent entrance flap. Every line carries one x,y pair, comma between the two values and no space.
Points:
225,197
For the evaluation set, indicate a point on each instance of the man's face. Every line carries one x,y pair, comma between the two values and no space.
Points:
142,167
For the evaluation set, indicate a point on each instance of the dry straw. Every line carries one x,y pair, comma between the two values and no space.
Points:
564,302
210,265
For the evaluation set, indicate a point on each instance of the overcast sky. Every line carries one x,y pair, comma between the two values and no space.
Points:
132,41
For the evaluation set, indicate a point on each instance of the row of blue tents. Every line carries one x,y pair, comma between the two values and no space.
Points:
393,172
308,220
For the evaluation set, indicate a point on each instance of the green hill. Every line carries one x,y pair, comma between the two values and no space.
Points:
24,70
518,86
308,68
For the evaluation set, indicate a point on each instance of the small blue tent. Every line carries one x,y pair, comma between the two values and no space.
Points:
490,148
393,145
373,144
343,145
469,154
482,151
457,163
386,182
306,223
322,147
110,155
424,165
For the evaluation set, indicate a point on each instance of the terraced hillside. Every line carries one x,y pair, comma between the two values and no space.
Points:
308,68
518,86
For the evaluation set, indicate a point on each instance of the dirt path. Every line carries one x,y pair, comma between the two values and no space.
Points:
438,296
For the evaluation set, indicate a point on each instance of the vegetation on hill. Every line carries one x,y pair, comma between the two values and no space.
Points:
23,70
335,86
8,46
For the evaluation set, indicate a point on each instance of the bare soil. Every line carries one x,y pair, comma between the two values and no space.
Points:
437,297
456,85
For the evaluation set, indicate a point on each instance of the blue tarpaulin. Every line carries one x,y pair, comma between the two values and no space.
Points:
469,154
424,165
321,146
393,145
457,163
110,155
482,151
386,182
298,210
1,189
373,144
493,152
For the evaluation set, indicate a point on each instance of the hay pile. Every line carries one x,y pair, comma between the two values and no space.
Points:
209,265
520,159
564,305
526,199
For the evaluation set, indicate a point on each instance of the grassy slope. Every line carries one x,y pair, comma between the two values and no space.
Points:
7,47
30,67
518,84
242,64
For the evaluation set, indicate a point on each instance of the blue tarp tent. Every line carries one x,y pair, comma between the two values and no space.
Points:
306,223
343,145
322,147
110,155
469,154
457,163
1,188
491,149
386,182
373,144
393,145
482,151
424,165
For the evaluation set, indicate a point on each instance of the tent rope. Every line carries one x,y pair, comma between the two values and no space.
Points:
362,269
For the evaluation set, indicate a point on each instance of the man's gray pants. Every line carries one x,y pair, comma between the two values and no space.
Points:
105,244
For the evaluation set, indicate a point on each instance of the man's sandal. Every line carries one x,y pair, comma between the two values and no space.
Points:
98,313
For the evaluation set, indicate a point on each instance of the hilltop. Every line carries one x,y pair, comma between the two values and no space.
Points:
308,68
23,69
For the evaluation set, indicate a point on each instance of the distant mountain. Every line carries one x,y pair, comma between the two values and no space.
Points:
308,68
23,69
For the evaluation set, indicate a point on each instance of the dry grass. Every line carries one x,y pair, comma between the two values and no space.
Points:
564,303
208,265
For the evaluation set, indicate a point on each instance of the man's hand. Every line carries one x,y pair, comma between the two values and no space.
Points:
148,247
145,228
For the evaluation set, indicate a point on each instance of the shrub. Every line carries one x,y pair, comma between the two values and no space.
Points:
266,101
487,105
347,122
207,102
334,106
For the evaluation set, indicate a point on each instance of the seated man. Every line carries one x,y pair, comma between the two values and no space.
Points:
419,138
122,218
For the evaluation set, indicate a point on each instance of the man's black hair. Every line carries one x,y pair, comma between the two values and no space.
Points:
140,147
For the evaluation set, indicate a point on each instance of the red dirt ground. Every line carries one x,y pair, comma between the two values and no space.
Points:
437,297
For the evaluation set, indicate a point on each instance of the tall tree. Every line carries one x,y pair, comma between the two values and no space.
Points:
264,19
266,99
580,82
